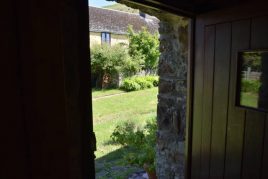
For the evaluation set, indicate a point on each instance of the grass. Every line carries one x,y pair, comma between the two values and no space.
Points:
122,7
96,93
249,99
108,112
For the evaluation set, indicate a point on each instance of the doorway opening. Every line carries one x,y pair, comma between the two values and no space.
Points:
168,100
124,45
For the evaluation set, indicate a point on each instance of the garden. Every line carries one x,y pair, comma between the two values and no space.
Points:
124,104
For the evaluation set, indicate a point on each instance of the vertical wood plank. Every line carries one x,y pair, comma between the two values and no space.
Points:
220,99
190,84
208,100
264,172
252,155
236,116
198,100
12,131
254,129
259,30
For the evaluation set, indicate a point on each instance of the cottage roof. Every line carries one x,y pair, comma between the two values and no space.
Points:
106,20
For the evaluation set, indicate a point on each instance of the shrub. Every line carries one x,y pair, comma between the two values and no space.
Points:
106,61
140,141
153,79
130,85
250,86
144,47
139,82
143,82
127,134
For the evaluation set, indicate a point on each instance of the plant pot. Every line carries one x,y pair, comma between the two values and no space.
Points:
151,173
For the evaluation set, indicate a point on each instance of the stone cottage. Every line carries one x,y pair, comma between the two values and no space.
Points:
110,26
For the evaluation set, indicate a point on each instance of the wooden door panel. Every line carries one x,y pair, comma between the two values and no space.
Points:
265,152
197,103
255,120
208,100
220,99
254,130
228,141
236,116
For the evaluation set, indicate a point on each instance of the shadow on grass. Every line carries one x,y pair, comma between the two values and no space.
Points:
113,156
112,165
109,142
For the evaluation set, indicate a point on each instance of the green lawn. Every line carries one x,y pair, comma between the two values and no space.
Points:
96,93
108,112
249,99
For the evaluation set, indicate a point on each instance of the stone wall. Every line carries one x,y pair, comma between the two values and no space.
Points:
171,110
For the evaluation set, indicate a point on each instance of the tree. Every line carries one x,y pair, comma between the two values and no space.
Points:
107,61
144,48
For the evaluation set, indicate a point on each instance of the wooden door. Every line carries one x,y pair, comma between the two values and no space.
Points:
227,141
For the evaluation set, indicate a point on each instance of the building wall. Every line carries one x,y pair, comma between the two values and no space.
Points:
116,39
95,38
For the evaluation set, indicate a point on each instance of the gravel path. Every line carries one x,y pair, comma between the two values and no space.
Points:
139,175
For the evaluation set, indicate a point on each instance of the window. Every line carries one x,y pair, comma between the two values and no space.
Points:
252,80
106,37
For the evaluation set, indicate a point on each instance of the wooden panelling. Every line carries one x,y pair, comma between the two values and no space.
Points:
235,129
208,100
265,152
220,99
233,139
253,145
198,101
12,132
255,121
259,30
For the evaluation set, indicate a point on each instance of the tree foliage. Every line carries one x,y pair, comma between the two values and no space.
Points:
144,48
109,60
252,60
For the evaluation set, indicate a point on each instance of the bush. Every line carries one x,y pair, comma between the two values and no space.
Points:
153,79
140,141
139,82
144,47
127,134
143,82
130,85
108,61
250,86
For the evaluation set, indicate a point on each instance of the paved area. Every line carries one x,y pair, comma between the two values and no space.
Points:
139,175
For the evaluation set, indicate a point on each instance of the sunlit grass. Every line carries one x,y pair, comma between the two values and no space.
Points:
96,93
108,112
138,106
249,99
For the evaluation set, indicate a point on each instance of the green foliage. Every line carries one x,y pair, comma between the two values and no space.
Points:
122,7
144,84
144,48
141,141
139,82
127,134
109,60
130,85
252,60
250,86
153,79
